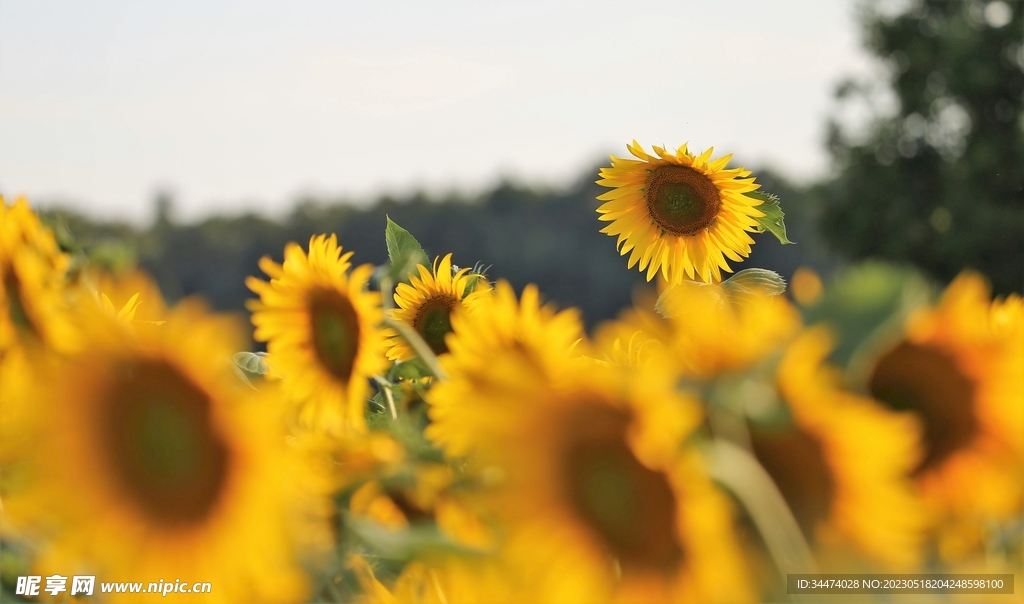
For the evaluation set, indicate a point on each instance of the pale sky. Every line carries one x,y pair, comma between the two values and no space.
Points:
246,105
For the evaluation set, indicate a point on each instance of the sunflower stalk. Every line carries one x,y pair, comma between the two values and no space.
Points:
409,334
332,590
387,287
391,403
385,387
729,423
419,347
741,474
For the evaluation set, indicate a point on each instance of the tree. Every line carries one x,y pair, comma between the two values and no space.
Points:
939,182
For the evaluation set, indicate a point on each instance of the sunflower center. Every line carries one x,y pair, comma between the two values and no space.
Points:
15,305
795,461
682,200
335,327
433,322
162,445
927,381
630,507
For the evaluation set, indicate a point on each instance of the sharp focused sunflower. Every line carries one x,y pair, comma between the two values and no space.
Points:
841,462
176,469
32,289
679,213
427,304
322,329
959,367
598,499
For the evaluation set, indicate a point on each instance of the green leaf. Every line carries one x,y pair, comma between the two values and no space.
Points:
404,252
471,282
753,281
411,369
252,362
773,216
378,407
747,282
477,277
418,539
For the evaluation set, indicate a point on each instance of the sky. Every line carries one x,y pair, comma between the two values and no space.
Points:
246,106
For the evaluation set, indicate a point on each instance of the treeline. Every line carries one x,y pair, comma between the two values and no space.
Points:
550,238
938,184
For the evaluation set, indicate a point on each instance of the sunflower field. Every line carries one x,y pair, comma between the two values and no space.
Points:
421,432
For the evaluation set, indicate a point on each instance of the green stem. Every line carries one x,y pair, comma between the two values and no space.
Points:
331,587
409,334
391,403
740,472
728,423
385,387
419,347
386,297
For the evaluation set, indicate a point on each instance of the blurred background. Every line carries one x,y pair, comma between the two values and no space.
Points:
192,138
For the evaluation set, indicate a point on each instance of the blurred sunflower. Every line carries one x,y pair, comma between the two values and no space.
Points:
959,367
639,350
32,275
338,463
679,213
322,329
17,366
427,303
542,333
841,462
637,336
705,330
440,580
421,492
131,295
598,498
176,469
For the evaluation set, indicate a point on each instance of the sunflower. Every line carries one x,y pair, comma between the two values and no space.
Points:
705,330
959,367
403,500
16,366
599,499
679,213
421,492
539,330
427,303
806,286
841,461
441,580
177,470
322,329
32,275
131,295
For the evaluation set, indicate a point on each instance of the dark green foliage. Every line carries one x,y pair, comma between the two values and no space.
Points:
940,184
526,236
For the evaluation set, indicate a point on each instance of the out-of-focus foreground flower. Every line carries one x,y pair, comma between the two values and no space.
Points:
415,433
